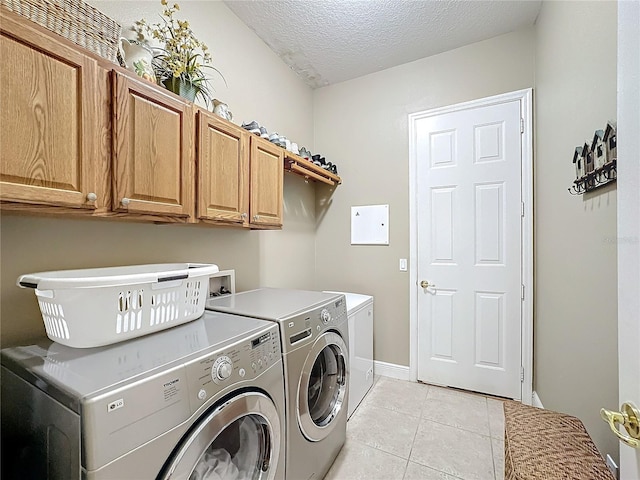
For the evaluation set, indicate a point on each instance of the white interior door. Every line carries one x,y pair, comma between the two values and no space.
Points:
468,165
629,221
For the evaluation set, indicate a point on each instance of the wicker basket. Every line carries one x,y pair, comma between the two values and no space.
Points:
74,20
546,445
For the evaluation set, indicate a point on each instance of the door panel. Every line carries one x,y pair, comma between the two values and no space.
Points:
48,132
267,177
469,249
223,170
153,148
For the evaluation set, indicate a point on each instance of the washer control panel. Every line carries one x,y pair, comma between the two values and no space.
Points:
239,363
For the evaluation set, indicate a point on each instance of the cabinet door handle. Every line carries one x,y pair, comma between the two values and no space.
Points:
91,197
256,217
243,216
125,202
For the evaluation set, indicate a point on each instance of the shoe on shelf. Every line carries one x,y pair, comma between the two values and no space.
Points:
294,149
318,160
252,126
264,133
333,169
273,138
304,153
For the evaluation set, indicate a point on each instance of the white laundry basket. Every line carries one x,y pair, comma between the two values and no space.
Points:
99,306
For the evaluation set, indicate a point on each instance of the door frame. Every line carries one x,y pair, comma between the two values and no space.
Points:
525,97
628,225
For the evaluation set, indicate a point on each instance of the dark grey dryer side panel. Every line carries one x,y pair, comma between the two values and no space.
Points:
40,437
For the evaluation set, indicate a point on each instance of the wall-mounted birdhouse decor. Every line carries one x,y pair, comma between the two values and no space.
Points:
578,162
587,156
595,161
610,141
598,150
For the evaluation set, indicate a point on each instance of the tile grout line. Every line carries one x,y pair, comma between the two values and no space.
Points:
459,428
419,422
414,441
416,433
379,449
493,458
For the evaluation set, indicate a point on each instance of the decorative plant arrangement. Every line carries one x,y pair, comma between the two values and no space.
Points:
180,63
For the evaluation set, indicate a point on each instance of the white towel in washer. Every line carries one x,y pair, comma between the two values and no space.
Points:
247,457
215,465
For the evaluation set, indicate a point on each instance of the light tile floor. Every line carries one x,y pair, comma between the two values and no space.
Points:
409,431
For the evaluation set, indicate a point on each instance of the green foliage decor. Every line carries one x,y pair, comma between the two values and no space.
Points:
179,65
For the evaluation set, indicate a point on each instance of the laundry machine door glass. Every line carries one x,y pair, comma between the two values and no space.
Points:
323,386
238,440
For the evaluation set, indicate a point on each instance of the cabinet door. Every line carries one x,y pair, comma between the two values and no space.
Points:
223,170
267,172
48,127
153,139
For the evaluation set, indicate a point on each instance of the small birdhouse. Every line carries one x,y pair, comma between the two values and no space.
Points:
578,162
610,141
598,149
587,157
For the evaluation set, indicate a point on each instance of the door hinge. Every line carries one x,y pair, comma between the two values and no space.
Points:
522,209
522,125
522,296
521,374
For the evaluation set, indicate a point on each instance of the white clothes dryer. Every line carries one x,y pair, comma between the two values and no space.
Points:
191,402
314,335
360,315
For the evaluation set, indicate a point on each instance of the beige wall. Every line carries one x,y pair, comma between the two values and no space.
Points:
261,87
362,126
576,275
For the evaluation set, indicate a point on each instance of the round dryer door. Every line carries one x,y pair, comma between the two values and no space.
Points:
323,386
239,439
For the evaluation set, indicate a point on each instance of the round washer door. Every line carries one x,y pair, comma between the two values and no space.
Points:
323,386
240,438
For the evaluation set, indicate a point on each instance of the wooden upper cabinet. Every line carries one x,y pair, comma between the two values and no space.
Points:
48,129
267,172
153,140
223,170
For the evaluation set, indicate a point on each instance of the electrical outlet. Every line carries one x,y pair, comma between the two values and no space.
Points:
403,264
613,467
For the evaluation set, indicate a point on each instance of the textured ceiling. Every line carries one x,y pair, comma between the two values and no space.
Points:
329,41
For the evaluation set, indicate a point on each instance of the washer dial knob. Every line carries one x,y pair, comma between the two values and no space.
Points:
222,369
325,316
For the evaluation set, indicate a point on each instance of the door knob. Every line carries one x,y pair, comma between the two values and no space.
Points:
425,284
629,418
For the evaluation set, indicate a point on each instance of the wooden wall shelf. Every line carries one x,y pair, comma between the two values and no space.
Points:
309,170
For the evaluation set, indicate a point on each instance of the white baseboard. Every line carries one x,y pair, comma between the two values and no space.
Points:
536,400
391,370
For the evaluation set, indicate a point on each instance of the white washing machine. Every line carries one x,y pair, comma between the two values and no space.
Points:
360,315
314,334
203,398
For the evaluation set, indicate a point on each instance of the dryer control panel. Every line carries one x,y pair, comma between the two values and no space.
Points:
305,327
241,362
